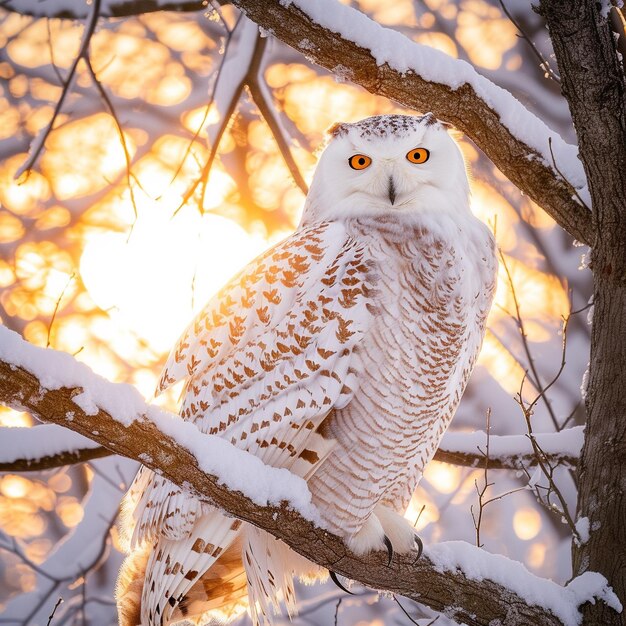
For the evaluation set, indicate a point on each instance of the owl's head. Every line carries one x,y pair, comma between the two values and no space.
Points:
388,164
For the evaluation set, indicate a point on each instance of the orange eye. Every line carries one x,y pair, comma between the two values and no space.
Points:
359,162
418,155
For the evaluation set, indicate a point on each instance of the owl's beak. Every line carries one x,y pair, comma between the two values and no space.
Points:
391,189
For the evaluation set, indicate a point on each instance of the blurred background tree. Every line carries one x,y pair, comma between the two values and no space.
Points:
118,220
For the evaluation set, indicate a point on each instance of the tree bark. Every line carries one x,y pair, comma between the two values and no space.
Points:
593,83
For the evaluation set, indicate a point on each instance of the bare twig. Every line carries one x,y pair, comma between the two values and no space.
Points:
209,104
120,132
56,308
536,380
486,484
337,611
38,144
481,492
54,610
544,63
266,109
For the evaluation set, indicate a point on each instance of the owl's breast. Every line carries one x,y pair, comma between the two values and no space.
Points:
413,363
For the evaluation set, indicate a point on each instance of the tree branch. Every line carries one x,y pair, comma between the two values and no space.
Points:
23,451
110,8
426,80
45,447
142,433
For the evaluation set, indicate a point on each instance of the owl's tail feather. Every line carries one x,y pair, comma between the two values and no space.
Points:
176,565
210,582
129,587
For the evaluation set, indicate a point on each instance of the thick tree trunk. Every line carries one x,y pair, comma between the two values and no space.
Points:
602,474
593,83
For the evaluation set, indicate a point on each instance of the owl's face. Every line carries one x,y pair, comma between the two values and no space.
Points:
390,164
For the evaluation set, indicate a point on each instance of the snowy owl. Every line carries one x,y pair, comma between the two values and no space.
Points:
340,354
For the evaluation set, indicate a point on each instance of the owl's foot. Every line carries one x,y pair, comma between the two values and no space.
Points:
370,538
334,578
389,549
398,529
420,547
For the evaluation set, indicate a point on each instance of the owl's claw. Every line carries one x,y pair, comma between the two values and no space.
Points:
389,549
419,545
334,578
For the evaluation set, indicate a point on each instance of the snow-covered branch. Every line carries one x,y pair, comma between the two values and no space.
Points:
510,451
49,446
475,586
389,64
45,447
529,153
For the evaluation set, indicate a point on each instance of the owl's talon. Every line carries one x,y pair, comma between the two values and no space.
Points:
334,578
420,547
389,549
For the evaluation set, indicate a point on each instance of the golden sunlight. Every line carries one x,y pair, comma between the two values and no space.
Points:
443,477
526,523
152,281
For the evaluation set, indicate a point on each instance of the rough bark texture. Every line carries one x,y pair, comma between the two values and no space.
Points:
594,85
476,603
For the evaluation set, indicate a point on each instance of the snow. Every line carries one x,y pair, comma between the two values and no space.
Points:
568,442
582,528
404,55
232,73
563,602
234,468
40,441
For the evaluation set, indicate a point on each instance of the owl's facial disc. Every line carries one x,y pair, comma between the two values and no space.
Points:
398,164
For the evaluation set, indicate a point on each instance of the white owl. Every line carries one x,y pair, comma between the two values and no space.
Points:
340,354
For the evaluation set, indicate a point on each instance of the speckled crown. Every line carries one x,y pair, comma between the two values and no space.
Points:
381,126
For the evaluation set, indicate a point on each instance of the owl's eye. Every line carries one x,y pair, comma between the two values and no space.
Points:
418,155
359,162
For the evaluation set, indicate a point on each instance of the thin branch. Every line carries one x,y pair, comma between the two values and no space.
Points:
544,63
56,307
454,450
54,610
120,132
536,381
39,142
119,8
267,111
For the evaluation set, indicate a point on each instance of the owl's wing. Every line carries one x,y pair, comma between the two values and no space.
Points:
267,359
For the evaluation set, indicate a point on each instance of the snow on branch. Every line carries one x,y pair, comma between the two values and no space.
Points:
476,587
49,446
45,447
510,451
387,63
